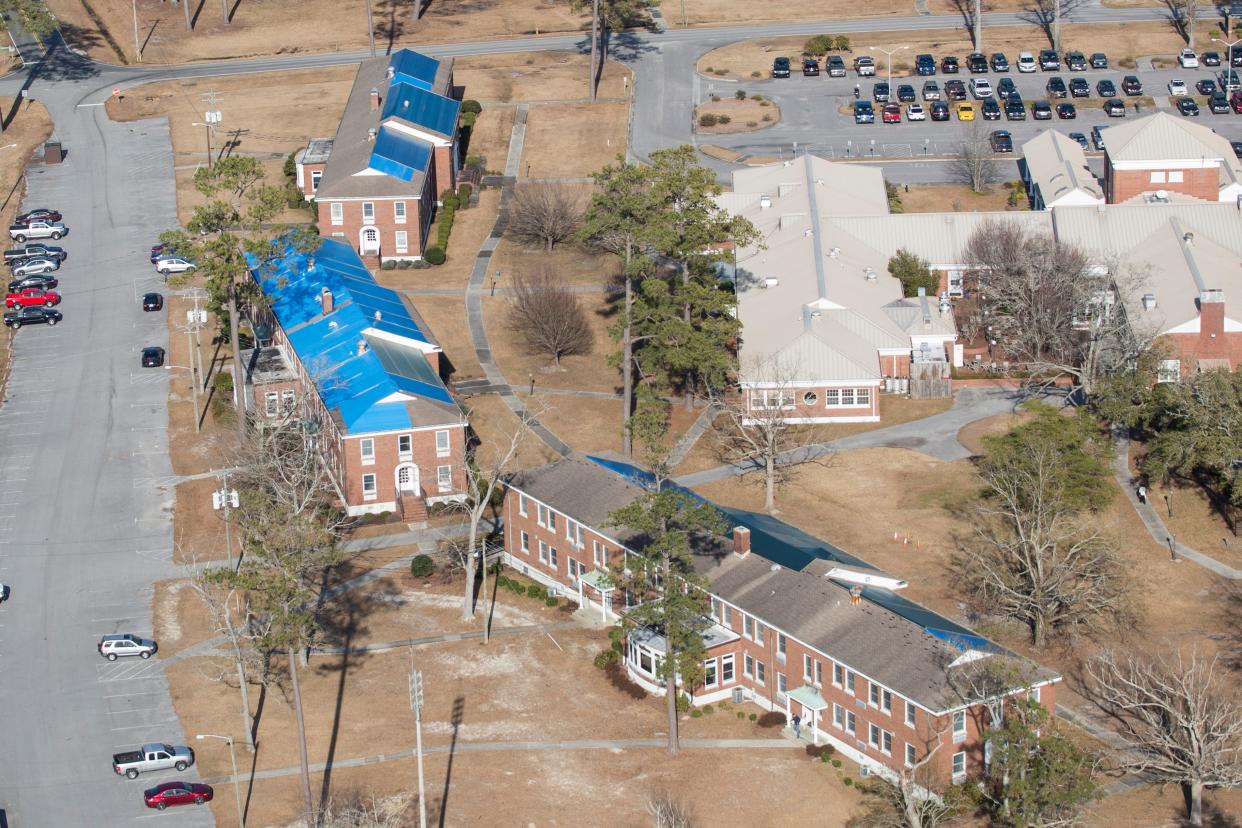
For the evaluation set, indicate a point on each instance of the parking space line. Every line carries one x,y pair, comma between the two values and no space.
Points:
140,726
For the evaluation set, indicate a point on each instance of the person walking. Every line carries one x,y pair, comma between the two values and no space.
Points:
1142,494
857,91
797,726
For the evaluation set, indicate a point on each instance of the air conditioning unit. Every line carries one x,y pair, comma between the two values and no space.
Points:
739,695
864,771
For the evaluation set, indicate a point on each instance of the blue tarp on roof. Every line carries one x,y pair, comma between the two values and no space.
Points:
421,108
351,383
399,155
413,67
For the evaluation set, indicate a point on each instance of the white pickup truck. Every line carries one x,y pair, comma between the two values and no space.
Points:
152,757
37,230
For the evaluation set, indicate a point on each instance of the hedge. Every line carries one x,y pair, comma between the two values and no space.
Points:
434,255
422,566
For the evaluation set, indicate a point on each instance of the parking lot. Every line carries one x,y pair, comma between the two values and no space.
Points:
817,112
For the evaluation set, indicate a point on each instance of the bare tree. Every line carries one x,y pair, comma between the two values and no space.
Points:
1183,15
549,315
1050,305
1033,557
973,163
1182,720
358,810
230,618
668,812
545,213
909,800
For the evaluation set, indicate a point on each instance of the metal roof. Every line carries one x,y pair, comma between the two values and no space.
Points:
422,108
1057,167
399,155
363,356
414,68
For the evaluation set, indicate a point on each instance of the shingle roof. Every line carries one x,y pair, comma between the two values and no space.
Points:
580,488
381,388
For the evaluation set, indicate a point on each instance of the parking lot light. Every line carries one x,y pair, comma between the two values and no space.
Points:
889,54
1228,73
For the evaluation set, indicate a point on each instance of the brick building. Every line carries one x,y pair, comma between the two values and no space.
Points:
355,362
1164,157
797,625
377,182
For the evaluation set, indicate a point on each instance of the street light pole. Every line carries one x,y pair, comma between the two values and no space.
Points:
889,54
137,45
1228,57
241,816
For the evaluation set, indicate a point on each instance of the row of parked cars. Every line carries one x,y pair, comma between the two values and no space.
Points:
31,298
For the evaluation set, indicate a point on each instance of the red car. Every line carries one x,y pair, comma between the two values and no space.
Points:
892,114
37,215
177,793
29,297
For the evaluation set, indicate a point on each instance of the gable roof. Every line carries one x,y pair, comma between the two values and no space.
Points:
422,108
366,356
409,66
1163,136
399,155
1057,167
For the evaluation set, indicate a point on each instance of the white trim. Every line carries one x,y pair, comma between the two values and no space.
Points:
800,420
388,336
395,121
374,198
759,385
361,434
1165,164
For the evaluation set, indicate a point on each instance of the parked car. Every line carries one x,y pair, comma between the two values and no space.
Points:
1187,59
931,91
39,280
1131,85
835,66
1097,137
1015,109
1075,62
780,67
4,593
905,93
37,230
152,757
1236,146
1187,106
880,93
152,302
1066,111
152,357
916,112
1055,87
965,111
1001,141
173,264
1177,86
891,114
810,67
1079,88
1099,60
113,647
1235,57
1114,108
1048,60
1006,87
1041,111
1206,86
864,65
948,65
955,90
1235,102
177,793
977,63
30,297
45,251
40,214
1229,79
999,62
1210,58
1026,62
1106,89
990,109
31,316
1080,139
939,111
925,65
1218,104
980,88
29,267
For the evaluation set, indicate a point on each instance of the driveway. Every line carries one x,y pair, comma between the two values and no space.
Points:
84,520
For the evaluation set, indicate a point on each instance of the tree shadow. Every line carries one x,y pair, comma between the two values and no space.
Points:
150,34
61,60
391,24
1175,14
459,709
1042,13
197,13
233,11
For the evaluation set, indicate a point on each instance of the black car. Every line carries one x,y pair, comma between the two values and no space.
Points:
152,356
948,65
152,302
1237,148
939,111
1015,110
906,94
835,66
1099,60
1187,106
999,62
30,251
780,67
43,281
1005,87
976,63
1079,88
1210,58
1218,104
955,90
32,316
864,113
1041,111
879,92
1097,136
1048,61
1055,87
1081,139
925,65
810,67
1066,111
991,109
1206,87
1106,89
1131,85
1114,108
1001,141
1235,57
1075,62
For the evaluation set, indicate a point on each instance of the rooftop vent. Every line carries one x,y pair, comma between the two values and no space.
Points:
371,133
1149,301
332,324
362,347
765,202
774,568
771,281
806,232
391,72
834,252
869,272
861,579
783,190
1189,238
855,594
379,317
1211,295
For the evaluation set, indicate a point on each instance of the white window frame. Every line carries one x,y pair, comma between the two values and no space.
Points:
781,646
819,673
727,669
808,668
1034,694
851,723
370,490
959,758
1176,177
763,399
710,678
271,403
748,666
401,241
873,735
886,701
838,675
444,478
368,212
761,672
366,450
405,448
838,716
288,399
959,726
782,687
398,212
337,211
886,742
1157,177
758,632
522,505
849,682
748,626
542,517
316,176
552,561
1170,370
524,542
599,554
873,694
910,714
443,446
912,754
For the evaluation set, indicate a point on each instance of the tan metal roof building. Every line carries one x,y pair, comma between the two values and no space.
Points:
1055,170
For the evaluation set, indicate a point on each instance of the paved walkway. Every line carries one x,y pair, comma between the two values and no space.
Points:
697,429
384,646
482,747
1151,519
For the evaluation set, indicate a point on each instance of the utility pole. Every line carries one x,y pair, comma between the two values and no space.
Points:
225,5
224,499
1056,26
137,43
416,704
189,344
185,4
241,815
370,28
978,25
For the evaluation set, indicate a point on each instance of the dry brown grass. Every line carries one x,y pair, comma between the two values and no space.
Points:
584,372
727,12
489,139
939,198
744,116
198,530
537,76
470,227
446,316
180,619
495,425
575,264
573,140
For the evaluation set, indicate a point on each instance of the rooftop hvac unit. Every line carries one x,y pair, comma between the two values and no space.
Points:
739,695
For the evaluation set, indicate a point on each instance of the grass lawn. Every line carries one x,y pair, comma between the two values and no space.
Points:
586,372
938,198
495,425
470,227
573,140
721,12
446,316
489,139
575,264
744,116
536,76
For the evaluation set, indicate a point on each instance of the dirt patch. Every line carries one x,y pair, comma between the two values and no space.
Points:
198,530
744,116
573,140
522,367
939,198
537,76
720,153
180,618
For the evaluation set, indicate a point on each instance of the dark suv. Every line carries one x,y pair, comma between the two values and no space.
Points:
1055,87
864,113
835,66
1075,62
955,90
1099,60
976,63
1048,61
1079,88
925,65
1015,110
1000,63
1131,85
948,65
880,93
780,67
810,67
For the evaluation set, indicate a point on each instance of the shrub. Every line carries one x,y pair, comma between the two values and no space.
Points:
765,103
756,97
836,763
709,70
824,757
471,105
388,265
721,72
819,44
502,582
774,718
841,43
741,715
817,751
766,117
752,717
463,194
422,566
715,99
683,702
536,591
740,94
708,709
848,782
605,658
707,119
223,383
723,119
696,713
448,200
752,124
475,162
550,600
756,74
434,255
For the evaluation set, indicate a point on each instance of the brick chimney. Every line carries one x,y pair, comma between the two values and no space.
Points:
741,541
325,299
1212,314
375,99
